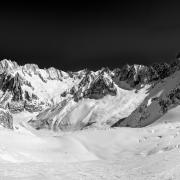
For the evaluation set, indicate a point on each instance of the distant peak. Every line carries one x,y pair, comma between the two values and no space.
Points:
7,65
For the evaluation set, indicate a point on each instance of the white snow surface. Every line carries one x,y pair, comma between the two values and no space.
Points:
146,153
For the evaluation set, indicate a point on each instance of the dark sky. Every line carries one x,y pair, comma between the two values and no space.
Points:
72,36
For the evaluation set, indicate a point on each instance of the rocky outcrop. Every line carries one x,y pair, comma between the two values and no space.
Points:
6,119
93,86
132,75
33,106
12,84
100,88
16,106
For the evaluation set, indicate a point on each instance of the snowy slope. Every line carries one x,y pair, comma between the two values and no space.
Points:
86,113
145,153
162,97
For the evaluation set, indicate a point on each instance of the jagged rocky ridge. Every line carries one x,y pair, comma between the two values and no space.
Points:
30,88
55,94
94,86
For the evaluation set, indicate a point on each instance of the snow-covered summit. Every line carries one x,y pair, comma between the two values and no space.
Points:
29,84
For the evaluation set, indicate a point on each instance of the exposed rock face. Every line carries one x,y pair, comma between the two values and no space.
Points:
100,88
33,106
93,86
16,106
6,119
132,75
12,84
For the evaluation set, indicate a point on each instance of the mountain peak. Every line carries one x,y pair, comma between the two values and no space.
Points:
7,65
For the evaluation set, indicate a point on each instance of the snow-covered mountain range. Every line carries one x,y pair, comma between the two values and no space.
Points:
134,95
108,124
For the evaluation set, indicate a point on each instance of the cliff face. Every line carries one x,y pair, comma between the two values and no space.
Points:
6,119
94,85
12,84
